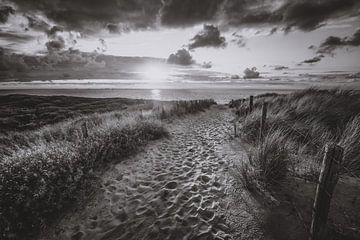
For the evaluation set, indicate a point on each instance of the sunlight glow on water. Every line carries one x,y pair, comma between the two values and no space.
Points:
156,94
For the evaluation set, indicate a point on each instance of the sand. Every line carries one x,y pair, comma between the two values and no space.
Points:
177,188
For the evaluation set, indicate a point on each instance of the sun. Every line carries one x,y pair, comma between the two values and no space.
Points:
155,72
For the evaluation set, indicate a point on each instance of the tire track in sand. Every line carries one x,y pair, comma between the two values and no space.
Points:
175,189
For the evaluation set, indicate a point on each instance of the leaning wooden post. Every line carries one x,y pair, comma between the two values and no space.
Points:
329,176
263,121
235,128
251,104
84,130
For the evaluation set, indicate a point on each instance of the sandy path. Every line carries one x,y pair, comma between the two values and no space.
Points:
178,188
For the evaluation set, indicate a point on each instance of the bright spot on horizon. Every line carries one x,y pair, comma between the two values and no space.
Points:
155,72
155,94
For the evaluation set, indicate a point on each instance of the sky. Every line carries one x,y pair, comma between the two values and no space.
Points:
231,34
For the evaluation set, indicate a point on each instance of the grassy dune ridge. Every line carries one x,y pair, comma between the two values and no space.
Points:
27,112
41,171
298,127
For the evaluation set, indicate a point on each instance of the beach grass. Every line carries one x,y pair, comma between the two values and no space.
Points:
298,127
43,170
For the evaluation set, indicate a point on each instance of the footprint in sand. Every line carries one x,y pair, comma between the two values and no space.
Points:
173,190
171,185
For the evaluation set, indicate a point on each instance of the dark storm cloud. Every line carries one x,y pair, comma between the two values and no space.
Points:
90,15
208,37
112,28
181,57
305,15
332,43
5,12
93,15
189,12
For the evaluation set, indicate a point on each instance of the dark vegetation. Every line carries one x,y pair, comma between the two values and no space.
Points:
25,112
298,127
43,170
284,164
179,108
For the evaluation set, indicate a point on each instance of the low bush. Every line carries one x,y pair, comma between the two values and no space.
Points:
268,162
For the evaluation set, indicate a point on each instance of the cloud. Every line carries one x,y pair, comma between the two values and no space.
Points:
92,16
5,12
305,15
207,65
314,59
15,65
332,43
113,28
55,45
53,31
70,57
177,13
238,39
273,31
308,15
251,73
279,68
208,37
311,47
11,62
103,46
36,23
181,57
15,36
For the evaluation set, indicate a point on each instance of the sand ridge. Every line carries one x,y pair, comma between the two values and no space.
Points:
176,189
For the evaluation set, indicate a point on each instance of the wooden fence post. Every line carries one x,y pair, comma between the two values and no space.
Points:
251,104
235,128
84,130
263,121
329,176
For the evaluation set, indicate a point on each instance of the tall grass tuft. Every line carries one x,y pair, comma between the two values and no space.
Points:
268,162
350,141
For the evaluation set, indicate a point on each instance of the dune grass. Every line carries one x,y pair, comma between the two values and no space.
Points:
298,127
42,170
28,112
